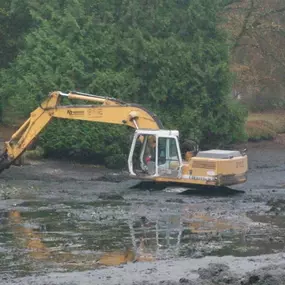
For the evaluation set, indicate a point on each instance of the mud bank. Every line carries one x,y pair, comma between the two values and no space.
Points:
268,269
65,223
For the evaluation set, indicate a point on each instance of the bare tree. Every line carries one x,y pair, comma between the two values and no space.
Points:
257,29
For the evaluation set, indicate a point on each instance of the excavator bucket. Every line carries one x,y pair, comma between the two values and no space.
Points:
4,161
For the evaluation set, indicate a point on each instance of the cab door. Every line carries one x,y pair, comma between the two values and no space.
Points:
143,155
157,154
169,159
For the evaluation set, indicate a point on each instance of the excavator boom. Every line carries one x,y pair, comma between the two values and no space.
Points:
107,110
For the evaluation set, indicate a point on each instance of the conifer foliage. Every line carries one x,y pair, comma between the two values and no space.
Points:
168,55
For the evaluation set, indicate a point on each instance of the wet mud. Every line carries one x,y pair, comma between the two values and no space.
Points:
65,223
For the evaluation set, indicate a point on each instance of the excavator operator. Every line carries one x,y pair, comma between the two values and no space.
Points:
151,149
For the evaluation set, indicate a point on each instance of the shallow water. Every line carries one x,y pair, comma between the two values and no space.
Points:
62,236
55,224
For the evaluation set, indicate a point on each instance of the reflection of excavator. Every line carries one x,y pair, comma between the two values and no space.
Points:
149,242
159,153
31,240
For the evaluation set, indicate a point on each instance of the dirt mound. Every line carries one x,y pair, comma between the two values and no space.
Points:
220,274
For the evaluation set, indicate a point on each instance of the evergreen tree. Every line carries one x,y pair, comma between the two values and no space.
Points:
167,55
15,20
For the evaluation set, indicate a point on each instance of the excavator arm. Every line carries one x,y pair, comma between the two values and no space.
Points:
106,110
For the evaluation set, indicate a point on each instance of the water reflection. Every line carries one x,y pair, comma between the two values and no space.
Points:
26,237
32,242
202,223
69,241
147,239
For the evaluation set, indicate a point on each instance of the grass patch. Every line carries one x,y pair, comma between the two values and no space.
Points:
276,118
259,130
265,126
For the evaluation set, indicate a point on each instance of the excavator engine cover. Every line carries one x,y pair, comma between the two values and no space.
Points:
220,154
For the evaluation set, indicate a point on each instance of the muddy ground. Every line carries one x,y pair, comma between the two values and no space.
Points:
62,223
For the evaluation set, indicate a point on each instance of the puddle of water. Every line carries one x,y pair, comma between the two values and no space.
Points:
67,236
269,238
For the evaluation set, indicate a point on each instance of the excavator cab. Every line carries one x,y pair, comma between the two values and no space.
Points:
155,153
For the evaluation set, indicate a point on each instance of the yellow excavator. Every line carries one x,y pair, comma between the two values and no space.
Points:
155,154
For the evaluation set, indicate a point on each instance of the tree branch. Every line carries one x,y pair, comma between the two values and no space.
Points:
270,54
230,2
267,14
245,23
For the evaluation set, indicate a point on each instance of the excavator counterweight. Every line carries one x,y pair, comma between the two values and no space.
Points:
155,153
